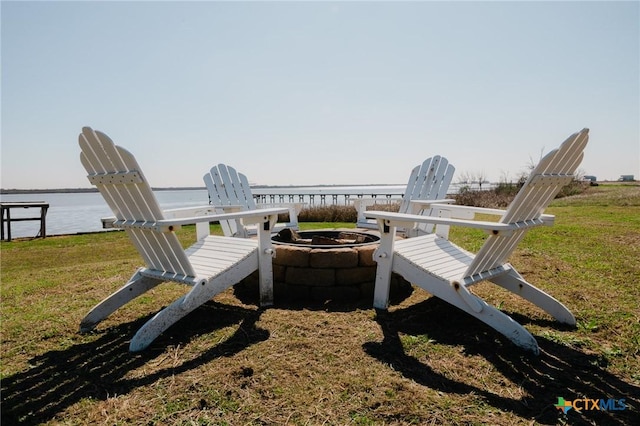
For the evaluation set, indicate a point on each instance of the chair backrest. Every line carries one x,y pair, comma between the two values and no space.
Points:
116,174
554,171
428,181
227,187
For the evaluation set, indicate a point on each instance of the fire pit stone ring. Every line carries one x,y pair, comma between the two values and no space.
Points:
327,265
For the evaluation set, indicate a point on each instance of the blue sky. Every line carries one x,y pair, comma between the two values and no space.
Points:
307,93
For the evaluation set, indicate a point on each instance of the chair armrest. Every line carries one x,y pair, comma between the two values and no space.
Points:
361,204
459,212
390,219
230,208
418,205
427,203
181,212
369,201
468,210
107,222
293,207
167,225
189,211
247,217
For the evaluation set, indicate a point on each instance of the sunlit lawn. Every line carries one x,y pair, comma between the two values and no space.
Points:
422,362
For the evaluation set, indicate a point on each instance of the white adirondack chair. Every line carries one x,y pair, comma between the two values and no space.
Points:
447,271
229,191
427,184
210,266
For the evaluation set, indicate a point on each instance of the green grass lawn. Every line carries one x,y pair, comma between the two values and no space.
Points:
420,362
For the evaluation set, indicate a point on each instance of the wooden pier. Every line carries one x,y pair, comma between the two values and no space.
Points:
5,217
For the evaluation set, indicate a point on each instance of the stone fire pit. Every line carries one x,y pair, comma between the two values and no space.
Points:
323,265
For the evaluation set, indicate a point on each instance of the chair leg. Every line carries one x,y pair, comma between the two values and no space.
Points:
136,286
515,283
506,325
494,318
266,253
383,256
265,279
199,294
383,280
488,314
159,323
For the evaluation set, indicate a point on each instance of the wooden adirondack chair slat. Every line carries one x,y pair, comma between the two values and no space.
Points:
215,254
441,258
162,251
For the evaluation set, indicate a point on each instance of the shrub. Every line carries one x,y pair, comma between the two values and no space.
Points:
498,197
490,198
333,213
575,187
330,213
503,194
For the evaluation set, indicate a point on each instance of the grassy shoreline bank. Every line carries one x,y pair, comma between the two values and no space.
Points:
421,362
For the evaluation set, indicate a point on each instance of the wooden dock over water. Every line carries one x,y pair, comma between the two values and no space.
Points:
5,216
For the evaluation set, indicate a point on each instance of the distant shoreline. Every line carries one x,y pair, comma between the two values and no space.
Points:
76,190
4,191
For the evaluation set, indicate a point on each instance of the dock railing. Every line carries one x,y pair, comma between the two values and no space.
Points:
5,216
336,195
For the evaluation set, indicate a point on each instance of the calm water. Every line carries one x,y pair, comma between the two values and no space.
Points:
70,213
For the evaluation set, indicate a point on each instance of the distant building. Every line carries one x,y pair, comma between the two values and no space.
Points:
626,178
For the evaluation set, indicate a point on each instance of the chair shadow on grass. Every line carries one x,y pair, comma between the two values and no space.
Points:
559,370
98,369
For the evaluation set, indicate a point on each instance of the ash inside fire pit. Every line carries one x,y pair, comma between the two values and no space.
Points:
324,239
